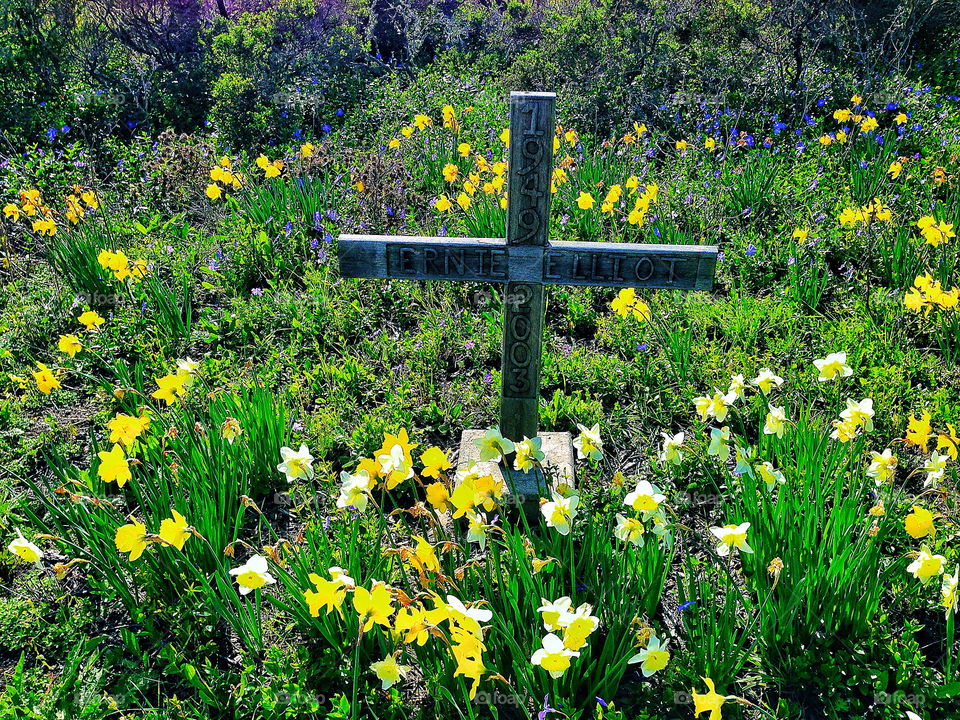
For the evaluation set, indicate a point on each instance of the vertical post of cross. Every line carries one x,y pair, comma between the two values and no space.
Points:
532,118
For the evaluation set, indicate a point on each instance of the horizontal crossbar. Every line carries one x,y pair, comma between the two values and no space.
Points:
683,267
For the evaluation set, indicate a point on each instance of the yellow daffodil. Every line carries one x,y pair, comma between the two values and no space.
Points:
131,538
114,466
70,344
175,530
329,593
45,379
919,523
919,431
585,201
710,702
171,387
434,462
91,320
127,428
373,606
439,496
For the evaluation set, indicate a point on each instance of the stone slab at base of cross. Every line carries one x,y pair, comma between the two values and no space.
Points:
558,464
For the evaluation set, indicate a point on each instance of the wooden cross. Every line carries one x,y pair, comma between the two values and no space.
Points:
525,261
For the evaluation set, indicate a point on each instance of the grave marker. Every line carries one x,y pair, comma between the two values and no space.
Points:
525,262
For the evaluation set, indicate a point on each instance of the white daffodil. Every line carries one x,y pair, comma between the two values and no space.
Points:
629,530
588,443
672,445
528,454
767,380
645,498
718,443
744,461
737,389
389,671
927,565
554,613
653,658
934,467
553,657
493,445
560,512
395,466
354,490
24,549
859,413
477,529
732,537
832,366
296,464
882,466
948,592
770,475
252,575
776,421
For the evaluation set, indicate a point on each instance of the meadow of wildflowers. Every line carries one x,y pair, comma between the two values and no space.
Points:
230,485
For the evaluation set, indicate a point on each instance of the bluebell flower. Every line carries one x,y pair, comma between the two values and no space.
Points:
751,250
325,128
686,606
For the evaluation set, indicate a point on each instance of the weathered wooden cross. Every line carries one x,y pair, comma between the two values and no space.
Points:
525,261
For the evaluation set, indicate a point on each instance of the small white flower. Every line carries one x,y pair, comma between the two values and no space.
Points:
252,575
588,443
672,448
718,443
832,366
296,464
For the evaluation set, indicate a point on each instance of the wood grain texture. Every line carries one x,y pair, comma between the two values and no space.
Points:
532,126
